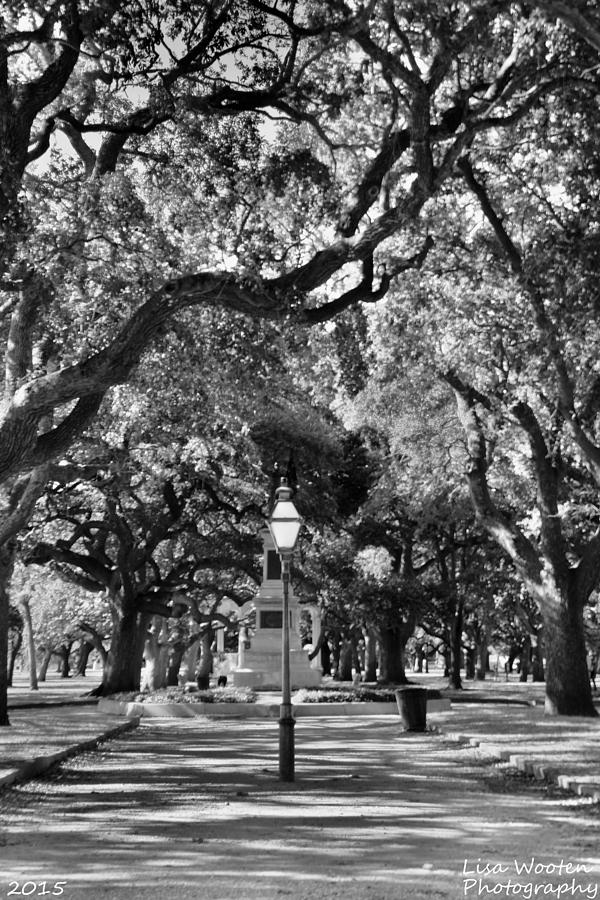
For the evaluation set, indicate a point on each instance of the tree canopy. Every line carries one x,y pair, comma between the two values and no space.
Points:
217,194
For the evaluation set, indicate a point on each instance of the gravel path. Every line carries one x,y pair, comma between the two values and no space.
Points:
193,809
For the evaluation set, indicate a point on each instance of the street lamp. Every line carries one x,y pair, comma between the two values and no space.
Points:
284,526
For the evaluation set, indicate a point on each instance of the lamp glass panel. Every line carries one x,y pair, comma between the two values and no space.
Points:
285,533
284,509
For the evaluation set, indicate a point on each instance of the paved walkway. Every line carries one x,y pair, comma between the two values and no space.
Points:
195,810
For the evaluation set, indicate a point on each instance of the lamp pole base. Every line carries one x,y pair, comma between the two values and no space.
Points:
286,742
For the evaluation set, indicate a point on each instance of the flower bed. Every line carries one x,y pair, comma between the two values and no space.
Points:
345,695
184,695
356,695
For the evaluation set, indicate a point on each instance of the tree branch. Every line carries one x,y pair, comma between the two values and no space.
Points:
18,345
96,639
53,442
363,292
547,479
546,327
504,532
34,96
44,553
22,502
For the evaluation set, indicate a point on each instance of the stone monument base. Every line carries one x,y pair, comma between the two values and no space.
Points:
262,669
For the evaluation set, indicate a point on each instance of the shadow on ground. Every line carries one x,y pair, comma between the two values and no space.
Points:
195,809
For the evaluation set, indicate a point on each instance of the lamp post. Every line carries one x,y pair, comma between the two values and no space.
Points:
284,526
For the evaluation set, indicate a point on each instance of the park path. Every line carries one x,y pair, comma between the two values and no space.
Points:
193,809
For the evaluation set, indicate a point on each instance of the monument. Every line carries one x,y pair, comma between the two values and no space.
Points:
259,659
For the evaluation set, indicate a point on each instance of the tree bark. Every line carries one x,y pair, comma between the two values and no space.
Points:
482,657
325,658
14,652
7,558
96,642
162,659
392,643
82,659
33,680
568,689
155,654
124,661
188,667
174,664
370,656
334,646
419,657
45,663
345,665
470,663
205,664
455,648
64,667
537,662
525,659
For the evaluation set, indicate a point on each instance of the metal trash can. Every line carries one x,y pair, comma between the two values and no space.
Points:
412,706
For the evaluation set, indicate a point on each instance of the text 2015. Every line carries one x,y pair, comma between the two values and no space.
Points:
36,888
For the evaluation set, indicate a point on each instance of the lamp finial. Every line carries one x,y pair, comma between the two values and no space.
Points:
284,491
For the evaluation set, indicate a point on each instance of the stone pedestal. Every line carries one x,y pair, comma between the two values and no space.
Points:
259,664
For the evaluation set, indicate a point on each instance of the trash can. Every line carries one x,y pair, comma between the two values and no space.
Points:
412,706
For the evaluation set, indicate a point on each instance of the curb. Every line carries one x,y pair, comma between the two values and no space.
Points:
40,764
44,704
582,785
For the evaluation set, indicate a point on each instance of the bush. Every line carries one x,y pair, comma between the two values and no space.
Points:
341,695
181,695
230,695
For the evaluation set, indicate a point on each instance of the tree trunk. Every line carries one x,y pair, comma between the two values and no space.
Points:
85,649
14,652
370,656
162,659
419,657
33,680
356,660
392,642
188,667
205,664
525,659
325,658
344,672
7,556
482,656
448,665
64,667
470,663
335,655
537,662
174,664
44,666
568,689
148,682
455,648
155,654
96,642
124,662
